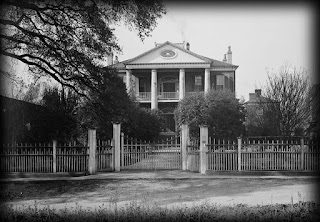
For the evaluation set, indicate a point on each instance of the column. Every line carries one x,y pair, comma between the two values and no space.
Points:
154,90
206,80
137,86
128,80
182,84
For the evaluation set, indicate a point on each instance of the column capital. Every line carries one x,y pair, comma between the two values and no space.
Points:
182,70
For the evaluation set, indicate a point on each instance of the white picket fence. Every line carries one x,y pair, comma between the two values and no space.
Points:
57,158
262,154
124,153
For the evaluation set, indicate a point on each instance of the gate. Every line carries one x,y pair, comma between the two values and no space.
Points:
150,155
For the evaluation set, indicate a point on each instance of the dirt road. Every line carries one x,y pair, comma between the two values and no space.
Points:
91,194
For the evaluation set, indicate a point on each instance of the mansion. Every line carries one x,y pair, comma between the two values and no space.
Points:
165,74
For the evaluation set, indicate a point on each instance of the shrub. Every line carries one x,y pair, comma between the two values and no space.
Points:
219,110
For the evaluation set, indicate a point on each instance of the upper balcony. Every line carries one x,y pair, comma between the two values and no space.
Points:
162,96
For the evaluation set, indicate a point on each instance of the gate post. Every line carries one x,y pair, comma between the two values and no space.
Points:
92,141
239,153
203,148
116,138
54,155
302,154
184,145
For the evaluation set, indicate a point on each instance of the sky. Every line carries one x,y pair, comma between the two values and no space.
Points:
261,37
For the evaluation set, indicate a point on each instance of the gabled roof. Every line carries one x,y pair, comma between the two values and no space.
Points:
164,44
213,62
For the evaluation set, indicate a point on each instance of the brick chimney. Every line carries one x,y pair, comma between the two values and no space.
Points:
258,92
229,53
188,46
225,58
115,60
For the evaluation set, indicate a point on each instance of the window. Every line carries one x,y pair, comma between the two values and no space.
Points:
220,82
142,85
197,81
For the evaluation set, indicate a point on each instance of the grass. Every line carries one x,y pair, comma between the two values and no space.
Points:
135,211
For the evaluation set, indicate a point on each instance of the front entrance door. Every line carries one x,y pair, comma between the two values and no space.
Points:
169,87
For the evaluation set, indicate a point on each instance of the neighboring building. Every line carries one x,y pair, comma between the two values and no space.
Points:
254,123
254,109
162,76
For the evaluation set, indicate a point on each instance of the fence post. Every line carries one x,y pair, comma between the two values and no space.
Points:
54,155
92,142
184,145
203,148
117,145
302,154
239,153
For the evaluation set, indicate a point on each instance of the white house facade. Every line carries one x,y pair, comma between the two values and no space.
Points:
167,73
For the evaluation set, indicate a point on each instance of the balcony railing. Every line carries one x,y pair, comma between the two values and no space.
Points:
192,93
168,95
146,96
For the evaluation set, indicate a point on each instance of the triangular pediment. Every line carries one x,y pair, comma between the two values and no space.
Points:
168,53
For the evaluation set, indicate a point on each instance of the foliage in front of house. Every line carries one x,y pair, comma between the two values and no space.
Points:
109,103
61,114
219,110
28,122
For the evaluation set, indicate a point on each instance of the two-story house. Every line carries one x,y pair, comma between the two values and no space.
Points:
165,74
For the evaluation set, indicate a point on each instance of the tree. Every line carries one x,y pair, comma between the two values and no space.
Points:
110,103
143,124
68,40
219,110
287,105
62,108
